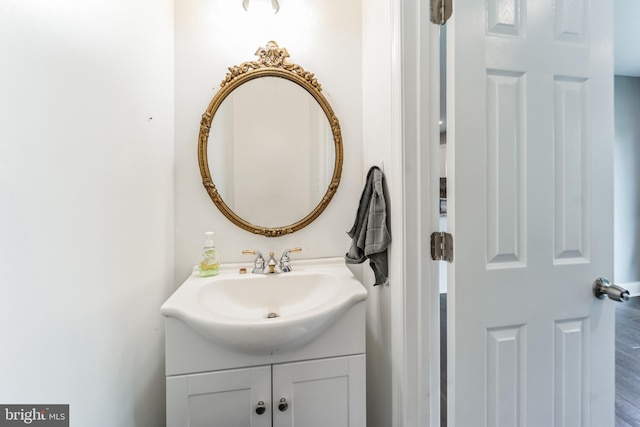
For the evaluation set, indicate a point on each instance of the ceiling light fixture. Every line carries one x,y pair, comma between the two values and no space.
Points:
262,4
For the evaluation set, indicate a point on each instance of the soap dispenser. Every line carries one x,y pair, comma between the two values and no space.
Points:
210,263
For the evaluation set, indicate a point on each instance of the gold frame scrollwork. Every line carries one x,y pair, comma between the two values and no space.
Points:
271,62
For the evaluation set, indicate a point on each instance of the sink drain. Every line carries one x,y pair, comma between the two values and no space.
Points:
272,315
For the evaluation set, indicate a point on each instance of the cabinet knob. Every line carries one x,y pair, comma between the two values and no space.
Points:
283,406
260,408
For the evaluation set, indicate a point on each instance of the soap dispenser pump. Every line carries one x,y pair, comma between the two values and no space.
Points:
210,263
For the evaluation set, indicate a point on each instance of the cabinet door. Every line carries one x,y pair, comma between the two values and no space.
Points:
320,393
220,399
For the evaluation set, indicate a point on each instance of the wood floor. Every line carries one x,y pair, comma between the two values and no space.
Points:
443,360
627,362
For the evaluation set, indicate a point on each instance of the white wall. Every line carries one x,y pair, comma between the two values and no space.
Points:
380,143
86,182
86,217
351,53
627,180
626,33
324,37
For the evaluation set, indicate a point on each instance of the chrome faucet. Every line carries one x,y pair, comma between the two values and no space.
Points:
258,264
285,267
271,266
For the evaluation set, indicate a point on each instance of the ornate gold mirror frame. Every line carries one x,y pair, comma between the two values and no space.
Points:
271,62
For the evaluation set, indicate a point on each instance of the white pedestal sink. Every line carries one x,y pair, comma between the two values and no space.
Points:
266,314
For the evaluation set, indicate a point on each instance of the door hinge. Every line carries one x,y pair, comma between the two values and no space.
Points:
442,246
441,11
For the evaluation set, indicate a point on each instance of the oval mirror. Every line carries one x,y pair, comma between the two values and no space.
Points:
270,147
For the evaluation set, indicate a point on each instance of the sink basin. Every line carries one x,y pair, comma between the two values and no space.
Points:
266,314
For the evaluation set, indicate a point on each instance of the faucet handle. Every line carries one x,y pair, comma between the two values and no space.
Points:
286,252
248,252
258,264
284,259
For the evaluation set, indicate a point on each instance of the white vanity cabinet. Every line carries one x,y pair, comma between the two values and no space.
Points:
321,392
225,354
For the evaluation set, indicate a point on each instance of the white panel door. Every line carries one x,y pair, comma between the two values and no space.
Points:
530,128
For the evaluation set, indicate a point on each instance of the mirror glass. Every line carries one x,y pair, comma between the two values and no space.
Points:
271,151
270,146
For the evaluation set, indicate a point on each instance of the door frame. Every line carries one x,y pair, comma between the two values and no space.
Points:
416,306
421,177
401,131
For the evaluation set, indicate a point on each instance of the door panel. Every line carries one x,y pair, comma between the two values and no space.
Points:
223,398
320,393
530,157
